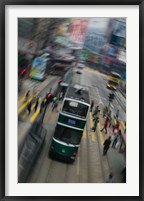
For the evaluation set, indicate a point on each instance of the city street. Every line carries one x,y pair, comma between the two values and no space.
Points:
90,165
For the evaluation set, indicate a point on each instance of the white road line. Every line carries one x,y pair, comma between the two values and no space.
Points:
112,106
78,165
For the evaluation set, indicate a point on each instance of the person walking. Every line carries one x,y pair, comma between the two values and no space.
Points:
115,140
106,144
125,128
105,126
123,173
49,97
110,121
55,105
54,100
117,114
95,124
29,107
96,111
110,178
92,104
42,105
118,140
105,111
116,127
36,105
26,96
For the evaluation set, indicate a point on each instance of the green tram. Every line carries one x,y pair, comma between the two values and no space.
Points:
70,124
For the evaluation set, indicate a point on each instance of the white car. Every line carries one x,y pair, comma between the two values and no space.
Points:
80,65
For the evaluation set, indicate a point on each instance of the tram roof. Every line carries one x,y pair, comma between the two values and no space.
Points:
82,96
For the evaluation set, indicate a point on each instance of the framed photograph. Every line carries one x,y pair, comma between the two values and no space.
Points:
71,87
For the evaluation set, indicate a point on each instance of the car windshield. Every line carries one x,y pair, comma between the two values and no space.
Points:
75,108
68,135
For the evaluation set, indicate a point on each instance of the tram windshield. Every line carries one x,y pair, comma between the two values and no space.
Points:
68,135
75,108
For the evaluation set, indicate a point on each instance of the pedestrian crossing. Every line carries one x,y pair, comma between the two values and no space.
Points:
23,110
87,133
98,133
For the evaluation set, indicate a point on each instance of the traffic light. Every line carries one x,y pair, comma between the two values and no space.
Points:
111,97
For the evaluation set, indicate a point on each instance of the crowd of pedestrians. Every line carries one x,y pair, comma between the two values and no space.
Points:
112,141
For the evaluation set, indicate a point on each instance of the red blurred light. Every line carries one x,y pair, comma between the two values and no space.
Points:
23,71
49,95
59,81
75,153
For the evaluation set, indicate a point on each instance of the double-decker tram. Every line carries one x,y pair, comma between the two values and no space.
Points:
70,124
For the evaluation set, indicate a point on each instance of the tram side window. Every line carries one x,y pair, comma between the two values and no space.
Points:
68,135
75,108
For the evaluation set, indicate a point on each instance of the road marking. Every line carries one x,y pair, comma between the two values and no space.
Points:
78,165
24,116
112,106
100,134
115,121
21,99
84,133
34,116
24,105
123,124
91,125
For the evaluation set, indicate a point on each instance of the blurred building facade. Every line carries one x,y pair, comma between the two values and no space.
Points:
32,34
105,46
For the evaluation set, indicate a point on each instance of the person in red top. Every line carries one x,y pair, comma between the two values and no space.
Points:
105,125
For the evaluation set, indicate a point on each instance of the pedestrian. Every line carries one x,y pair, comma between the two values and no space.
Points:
116,127
95,124
117,114
92,104
105,125
106,144
60,95
109,114
55,105
42,105
115,140
105,111
36,104
125,128
54,100
110,121
26,96
123,173
110,178
48,97
119,138
29,107
96,111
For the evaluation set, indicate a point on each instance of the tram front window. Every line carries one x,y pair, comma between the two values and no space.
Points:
75,108
68,135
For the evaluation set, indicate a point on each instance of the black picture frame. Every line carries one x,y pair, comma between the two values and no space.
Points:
3,3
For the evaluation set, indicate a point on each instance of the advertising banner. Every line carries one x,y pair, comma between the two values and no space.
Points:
78,29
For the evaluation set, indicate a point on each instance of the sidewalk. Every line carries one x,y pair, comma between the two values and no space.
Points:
116,160
117,163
